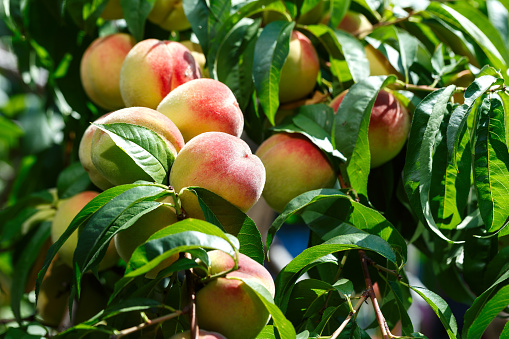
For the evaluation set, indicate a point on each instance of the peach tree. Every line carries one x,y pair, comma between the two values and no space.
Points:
138,200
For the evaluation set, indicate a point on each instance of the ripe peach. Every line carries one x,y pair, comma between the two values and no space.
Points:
203,105
388,127
201,335
100,69
299,72
152,69
54,293
294,165
222,164
107,164
169,15
66,211
228,306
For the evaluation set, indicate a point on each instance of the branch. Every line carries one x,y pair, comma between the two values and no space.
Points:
365,32
149,323
382,268
350,315
369,287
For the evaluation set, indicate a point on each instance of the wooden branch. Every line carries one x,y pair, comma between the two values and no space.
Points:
350,315
369,288
149,323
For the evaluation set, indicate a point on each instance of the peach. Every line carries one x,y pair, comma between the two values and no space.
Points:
388,127
54,292
300,70
66,211
201,335
152,69
203,105
378,63
355,23
222,164
169,15
100,69
198,55
107,164
229,306
294,165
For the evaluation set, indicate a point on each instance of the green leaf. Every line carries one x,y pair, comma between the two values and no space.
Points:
338,9
24,264
270,54
283,326
179,237
354,54
350,128
72,180
406,323
459,116
147,149
231,219
135,14
408,51
491,164
441,309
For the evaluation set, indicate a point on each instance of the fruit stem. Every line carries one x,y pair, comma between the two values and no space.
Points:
350,315
369,288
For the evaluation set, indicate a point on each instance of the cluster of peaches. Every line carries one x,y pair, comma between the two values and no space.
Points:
157,85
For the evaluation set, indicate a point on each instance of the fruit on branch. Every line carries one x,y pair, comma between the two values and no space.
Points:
203,105
378,63
112,11
300,70
389,126
355,23
294,165
169,15
229,306
201,335
152,69
107,164
127,240
198,55
100,69
66,211
220,163
54,292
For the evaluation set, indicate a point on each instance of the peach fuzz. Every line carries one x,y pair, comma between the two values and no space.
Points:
152,69
294,166
66,211
388,126
222,164
111,164
201,335
228,306
300,70
100,69
169,15
203,105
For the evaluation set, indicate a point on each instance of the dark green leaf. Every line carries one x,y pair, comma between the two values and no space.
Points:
270,55
135,14
72,180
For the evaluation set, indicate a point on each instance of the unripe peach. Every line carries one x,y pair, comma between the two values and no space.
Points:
201,335
100,69
203,105
66,211
229,306
107,164
152,69
169,15
388,127
54,293
294,165
378,63
300,70
355,23
127,240
222,164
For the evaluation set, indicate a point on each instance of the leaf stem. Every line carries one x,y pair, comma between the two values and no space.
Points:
369,288
350,315
149,322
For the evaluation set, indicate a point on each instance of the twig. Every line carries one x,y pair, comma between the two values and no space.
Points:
365,32
382,268
350,315
190,280
149,323
369,287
